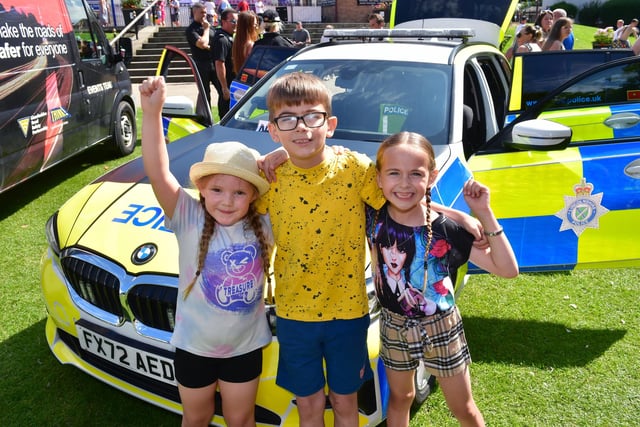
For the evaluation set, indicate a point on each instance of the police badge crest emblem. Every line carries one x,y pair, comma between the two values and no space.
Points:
582,210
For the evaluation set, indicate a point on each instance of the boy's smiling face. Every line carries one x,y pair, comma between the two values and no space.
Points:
305,145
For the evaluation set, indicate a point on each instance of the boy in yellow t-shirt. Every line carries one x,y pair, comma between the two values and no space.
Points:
318,218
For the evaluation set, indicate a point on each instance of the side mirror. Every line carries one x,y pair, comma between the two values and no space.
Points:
179,106
539,135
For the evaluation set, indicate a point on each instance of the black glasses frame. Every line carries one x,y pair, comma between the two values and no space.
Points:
304,118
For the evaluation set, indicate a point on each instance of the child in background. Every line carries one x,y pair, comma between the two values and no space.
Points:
174,12
224,253
416,253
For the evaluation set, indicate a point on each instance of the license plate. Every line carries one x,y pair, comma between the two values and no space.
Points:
142,362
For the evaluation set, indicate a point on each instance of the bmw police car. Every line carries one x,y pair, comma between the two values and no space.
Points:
564,174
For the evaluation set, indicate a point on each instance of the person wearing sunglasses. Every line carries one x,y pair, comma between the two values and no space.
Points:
272,28
544,21
222,56
526,41
199,36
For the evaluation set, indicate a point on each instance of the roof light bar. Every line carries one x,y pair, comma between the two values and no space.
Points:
415,33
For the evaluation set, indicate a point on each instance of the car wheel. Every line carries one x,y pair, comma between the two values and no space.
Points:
123,134
424,383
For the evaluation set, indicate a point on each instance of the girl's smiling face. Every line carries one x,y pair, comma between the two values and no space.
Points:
226,197
404,177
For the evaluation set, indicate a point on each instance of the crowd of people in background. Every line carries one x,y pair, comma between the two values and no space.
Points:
221,38
553,30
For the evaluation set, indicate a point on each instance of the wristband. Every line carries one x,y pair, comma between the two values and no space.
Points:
493,233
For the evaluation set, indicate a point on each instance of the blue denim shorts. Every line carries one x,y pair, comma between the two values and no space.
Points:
340,344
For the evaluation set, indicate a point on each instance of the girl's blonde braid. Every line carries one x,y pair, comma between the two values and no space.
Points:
253,218
428,242
207,231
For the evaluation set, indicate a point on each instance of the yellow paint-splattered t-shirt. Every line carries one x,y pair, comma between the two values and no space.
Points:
318,223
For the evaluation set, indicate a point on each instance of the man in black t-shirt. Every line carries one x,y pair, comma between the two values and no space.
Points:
222,58
199,36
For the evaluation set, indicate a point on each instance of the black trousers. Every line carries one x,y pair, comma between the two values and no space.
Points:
208,76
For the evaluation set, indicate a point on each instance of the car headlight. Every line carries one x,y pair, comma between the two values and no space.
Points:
51,233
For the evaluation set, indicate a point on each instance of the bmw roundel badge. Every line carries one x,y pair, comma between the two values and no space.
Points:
144,253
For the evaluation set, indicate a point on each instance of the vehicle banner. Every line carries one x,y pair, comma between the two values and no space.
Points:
36,82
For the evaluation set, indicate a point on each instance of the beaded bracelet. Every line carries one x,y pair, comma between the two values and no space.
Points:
494,233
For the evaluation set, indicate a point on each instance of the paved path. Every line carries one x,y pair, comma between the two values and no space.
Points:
186,89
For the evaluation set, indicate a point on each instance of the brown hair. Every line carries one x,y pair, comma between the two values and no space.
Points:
295,89
530,29
246,34
253,221
556,32
416,140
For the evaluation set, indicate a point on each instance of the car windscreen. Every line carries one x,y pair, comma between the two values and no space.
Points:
539,78
372,99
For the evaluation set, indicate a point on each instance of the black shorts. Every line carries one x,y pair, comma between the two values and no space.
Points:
195,371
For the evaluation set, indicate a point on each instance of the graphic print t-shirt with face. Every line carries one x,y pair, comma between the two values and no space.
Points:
397,263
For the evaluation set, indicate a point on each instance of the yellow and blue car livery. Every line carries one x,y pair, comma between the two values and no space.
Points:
575,208
564,178
532,78
579,206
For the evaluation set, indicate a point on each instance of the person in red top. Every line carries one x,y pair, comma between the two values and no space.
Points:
243,6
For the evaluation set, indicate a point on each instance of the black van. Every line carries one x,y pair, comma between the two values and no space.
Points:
63,88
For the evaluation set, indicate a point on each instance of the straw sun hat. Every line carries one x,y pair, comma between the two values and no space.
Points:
230,158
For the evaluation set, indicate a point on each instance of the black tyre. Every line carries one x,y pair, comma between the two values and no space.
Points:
124,134
424,383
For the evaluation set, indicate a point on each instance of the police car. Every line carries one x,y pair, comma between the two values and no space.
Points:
564,174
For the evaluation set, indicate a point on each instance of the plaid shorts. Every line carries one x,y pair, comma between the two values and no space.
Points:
438,340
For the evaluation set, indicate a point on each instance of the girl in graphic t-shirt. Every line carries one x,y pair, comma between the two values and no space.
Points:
224,252
415,255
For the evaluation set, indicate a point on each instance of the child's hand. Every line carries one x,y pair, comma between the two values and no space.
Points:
339,149
152,94
269,163
476,195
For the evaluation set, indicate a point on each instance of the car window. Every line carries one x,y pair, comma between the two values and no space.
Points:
538,78
372,99
495,69
261,60
487,10
603,105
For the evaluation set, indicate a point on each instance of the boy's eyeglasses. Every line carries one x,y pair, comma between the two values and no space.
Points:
233,21
314,119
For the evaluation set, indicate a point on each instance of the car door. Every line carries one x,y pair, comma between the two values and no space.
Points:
578,206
